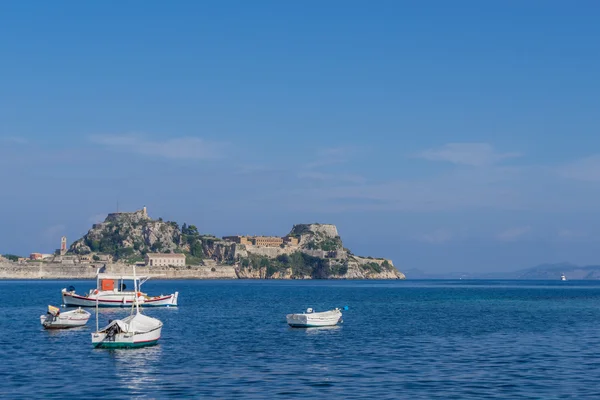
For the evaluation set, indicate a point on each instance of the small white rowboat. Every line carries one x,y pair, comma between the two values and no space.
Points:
54,319
314,319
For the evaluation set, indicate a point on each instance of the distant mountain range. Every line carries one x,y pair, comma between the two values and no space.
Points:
543,271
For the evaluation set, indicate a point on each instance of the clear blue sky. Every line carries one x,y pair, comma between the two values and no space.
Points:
448,136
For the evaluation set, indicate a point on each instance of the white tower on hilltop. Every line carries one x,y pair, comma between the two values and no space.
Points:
63,245
145,211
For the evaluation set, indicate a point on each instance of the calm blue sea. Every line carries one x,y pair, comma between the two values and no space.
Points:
399,340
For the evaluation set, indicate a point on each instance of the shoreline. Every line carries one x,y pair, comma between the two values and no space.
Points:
83,271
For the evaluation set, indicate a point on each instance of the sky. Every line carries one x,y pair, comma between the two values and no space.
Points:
447,136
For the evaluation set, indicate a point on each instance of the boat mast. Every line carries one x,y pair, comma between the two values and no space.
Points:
135,286
97,295
97,312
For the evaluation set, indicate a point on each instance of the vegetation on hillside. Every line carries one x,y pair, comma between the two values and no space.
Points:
11,257
326,244
191,237
130,236
299,264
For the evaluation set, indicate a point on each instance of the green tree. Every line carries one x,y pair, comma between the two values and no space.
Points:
156,246
12,257
192,230
196,249
284,259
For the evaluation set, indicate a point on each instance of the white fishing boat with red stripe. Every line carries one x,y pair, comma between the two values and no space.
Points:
111,291
136,330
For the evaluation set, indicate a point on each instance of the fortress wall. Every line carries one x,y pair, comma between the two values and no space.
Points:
39,270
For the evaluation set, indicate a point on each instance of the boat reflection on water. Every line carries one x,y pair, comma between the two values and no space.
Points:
137,370
61,333
319,330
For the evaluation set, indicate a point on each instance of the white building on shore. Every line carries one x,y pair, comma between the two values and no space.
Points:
165,259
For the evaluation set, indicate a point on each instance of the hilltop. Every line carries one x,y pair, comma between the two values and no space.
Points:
554,271
308,251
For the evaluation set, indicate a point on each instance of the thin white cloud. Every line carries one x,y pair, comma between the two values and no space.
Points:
325,158
175,148
438,236
451,191
322,176
14,140
474,154
54,232
332,155
585,169
574,235
568,233
513,234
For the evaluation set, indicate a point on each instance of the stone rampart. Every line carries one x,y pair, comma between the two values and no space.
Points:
39,270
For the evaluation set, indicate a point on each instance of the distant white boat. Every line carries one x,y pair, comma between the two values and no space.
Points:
54,319
110,292
563,277
137,330
314,319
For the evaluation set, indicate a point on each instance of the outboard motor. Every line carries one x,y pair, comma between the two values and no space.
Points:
111,332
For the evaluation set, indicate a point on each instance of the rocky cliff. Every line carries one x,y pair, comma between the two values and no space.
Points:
309,251
319,254
129,236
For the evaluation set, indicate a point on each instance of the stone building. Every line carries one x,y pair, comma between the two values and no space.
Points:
291,241
165,259
267,241
238,239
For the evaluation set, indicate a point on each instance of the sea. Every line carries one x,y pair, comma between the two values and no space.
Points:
411,339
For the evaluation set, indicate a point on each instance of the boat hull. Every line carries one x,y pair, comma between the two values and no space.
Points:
70,319
314,320
126,340
113,299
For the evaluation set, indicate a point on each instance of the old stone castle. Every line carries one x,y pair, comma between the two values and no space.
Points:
265,241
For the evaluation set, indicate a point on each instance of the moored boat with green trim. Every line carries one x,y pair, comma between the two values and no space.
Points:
136,330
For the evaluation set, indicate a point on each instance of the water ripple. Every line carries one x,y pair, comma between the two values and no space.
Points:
428,340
